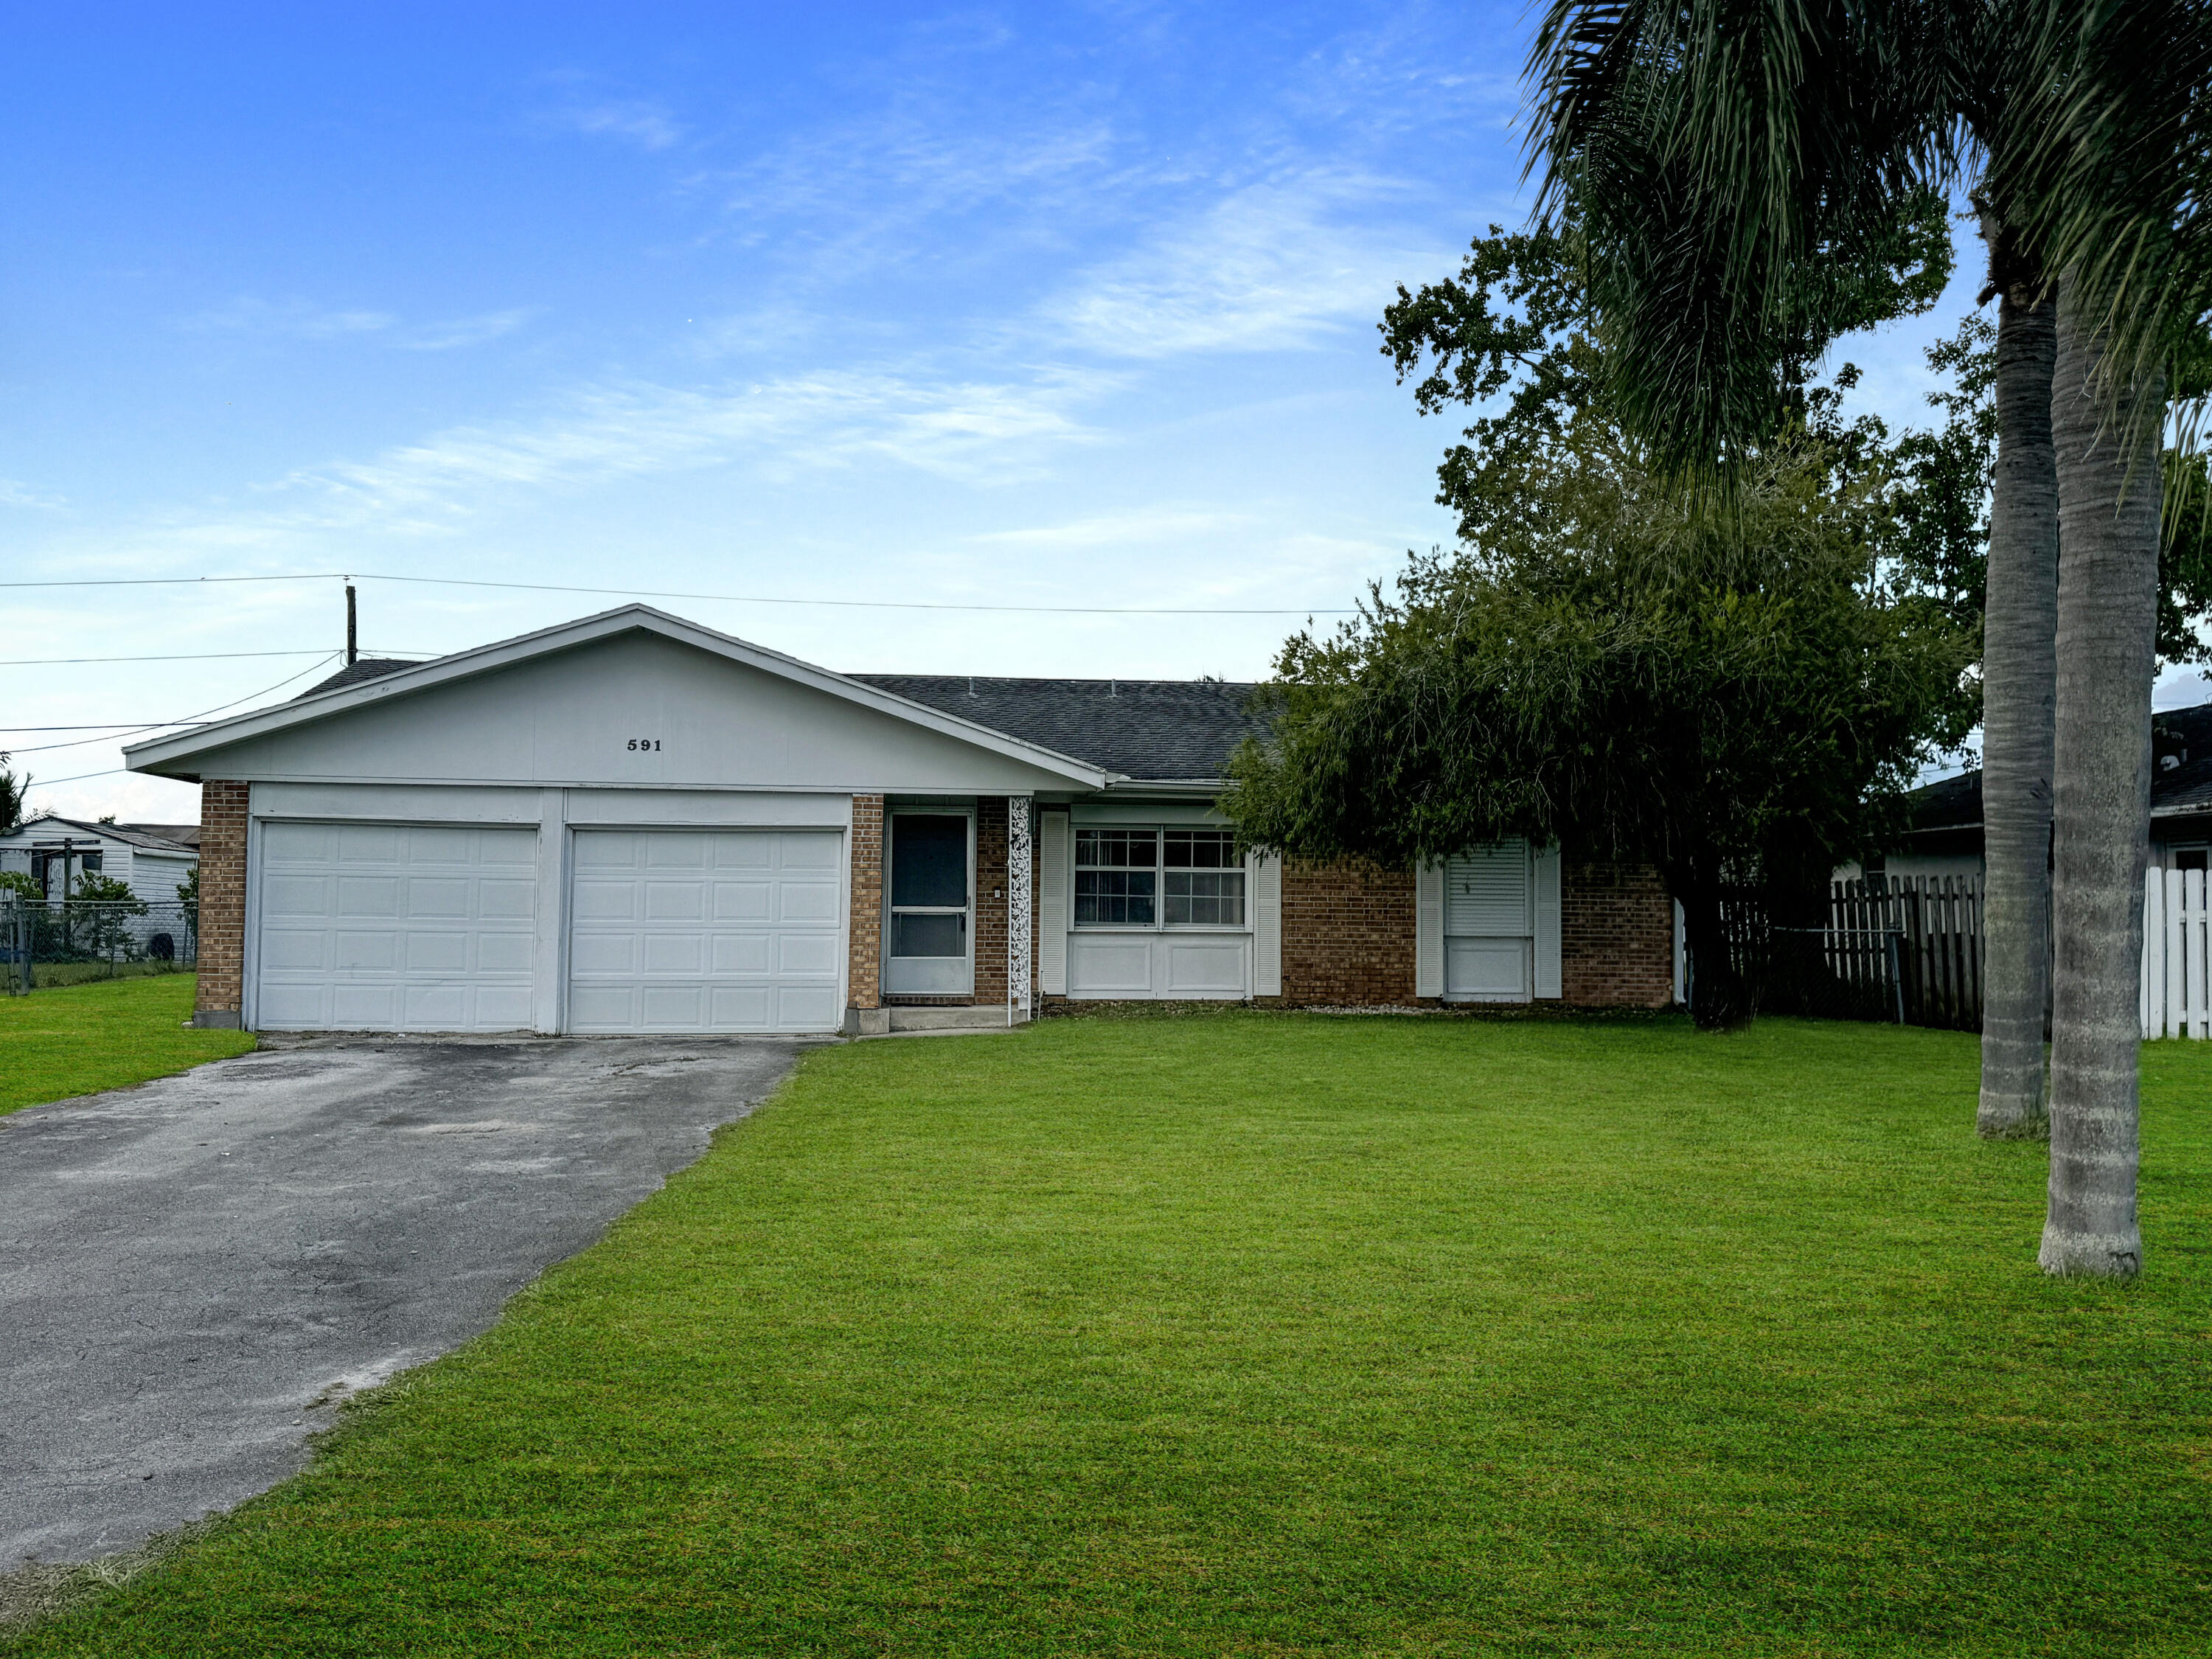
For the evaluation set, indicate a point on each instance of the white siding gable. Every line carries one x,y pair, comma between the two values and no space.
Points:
639,709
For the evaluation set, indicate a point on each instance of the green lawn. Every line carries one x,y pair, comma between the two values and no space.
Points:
1262,1336
79,1039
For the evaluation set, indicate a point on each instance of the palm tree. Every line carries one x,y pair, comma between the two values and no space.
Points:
1725,155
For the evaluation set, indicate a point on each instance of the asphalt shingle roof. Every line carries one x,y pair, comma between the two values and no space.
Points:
368,668
131,834
1159,731
2182,736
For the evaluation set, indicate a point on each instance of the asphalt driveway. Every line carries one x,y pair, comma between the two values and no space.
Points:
194,1272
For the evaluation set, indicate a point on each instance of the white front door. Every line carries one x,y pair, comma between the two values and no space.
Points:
1490,925
392,927
715,930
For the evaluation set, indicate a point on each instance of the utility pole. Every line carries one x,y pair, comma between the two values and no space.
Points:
353,635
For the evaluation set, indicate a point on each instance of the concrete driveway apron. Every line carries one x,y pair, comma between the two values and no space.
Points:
194,1272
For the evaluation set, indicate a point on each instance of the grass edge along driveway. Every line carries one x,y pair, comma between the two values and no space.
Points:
107,1033
1267,1335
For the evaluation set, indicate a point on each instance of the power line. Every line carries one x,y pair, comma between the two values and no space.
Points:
187,656
728,598
155,725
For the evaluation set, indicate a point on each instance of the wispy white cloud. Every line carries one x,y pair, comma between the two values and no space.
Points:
464,331
975,431
1272,267
633,121
295,319
15,493
1117,529
301,319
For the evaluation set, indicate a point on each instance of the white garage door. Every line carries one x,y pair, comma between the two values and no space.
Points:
384,927
724,930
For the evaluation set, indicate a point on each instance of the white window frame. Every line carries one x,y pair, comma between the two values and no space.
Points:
967,987
1159,923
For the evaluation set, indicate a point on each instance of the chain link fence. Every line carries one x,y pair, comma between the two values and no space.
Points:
46,943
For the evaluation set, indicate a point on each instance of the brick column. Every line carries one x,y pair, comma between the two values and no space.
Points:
990,902
222,905
864,939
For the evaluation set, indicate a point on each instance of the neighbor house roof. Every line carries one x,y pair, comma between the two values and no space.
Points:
54,826
2180,778
1149,731
184,835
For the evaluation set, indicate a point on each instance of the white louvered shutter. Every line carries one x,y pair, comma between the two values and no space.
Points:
1052,903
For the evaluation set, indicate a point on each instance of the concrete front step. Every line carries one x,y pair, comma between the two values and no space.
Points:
884,1022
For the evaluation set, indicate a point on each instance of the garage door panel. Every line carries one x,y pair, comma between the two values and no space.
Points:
369,895
675,953
596,953
743,1007
505,953
503,898
348,949
809,901
806,953
432,898
709,934
368,844
675,901
744,953
437,953
805,1008
667,851
744,901
386,927
601,900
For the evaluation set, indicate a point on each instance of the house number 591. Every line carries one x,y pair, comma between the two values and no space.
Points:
645,743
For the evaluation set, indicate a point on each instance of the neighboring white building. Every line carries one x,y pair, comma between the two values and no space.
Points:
151,859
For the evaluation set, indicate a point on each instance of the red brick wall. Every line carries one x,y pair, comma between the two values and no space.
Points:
865,936
222,899
1348,932
1616,936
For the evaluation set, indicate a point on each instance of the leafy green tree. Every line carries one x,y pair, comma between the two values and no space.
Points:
13,787
1732,697
93,917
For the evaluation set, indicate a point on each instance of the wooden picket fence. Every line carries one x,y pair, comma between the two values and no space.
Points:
1904,949
2177,956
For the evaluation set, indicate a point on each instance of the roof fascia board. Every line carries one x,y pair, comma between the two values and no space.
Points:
608,624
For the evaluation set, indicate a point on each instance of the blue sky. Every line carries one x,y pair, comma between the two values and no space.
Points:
1047,306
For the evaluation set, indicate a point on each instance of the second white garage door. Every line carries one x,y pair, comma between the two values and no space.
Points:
727,930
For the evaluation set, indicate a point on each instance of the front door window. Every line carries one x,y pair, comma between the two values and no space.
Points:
931,911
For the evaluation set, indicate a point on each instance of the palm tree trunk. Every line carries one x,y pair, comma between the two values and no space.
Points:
2019,683
2108,509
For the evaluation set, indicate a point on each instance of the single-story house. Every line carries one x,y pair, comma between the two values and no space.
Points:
1945,837
632,822
151,859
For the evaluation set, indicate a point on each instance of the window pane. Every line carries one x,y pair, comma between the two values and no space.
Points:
1204,898
1202,849
929,861
928,935
1116,849
1114,898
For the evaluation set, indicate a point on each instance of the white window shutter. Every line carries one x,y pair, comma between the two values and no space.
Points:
1267,927
1428,930
1052,903
1549,978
